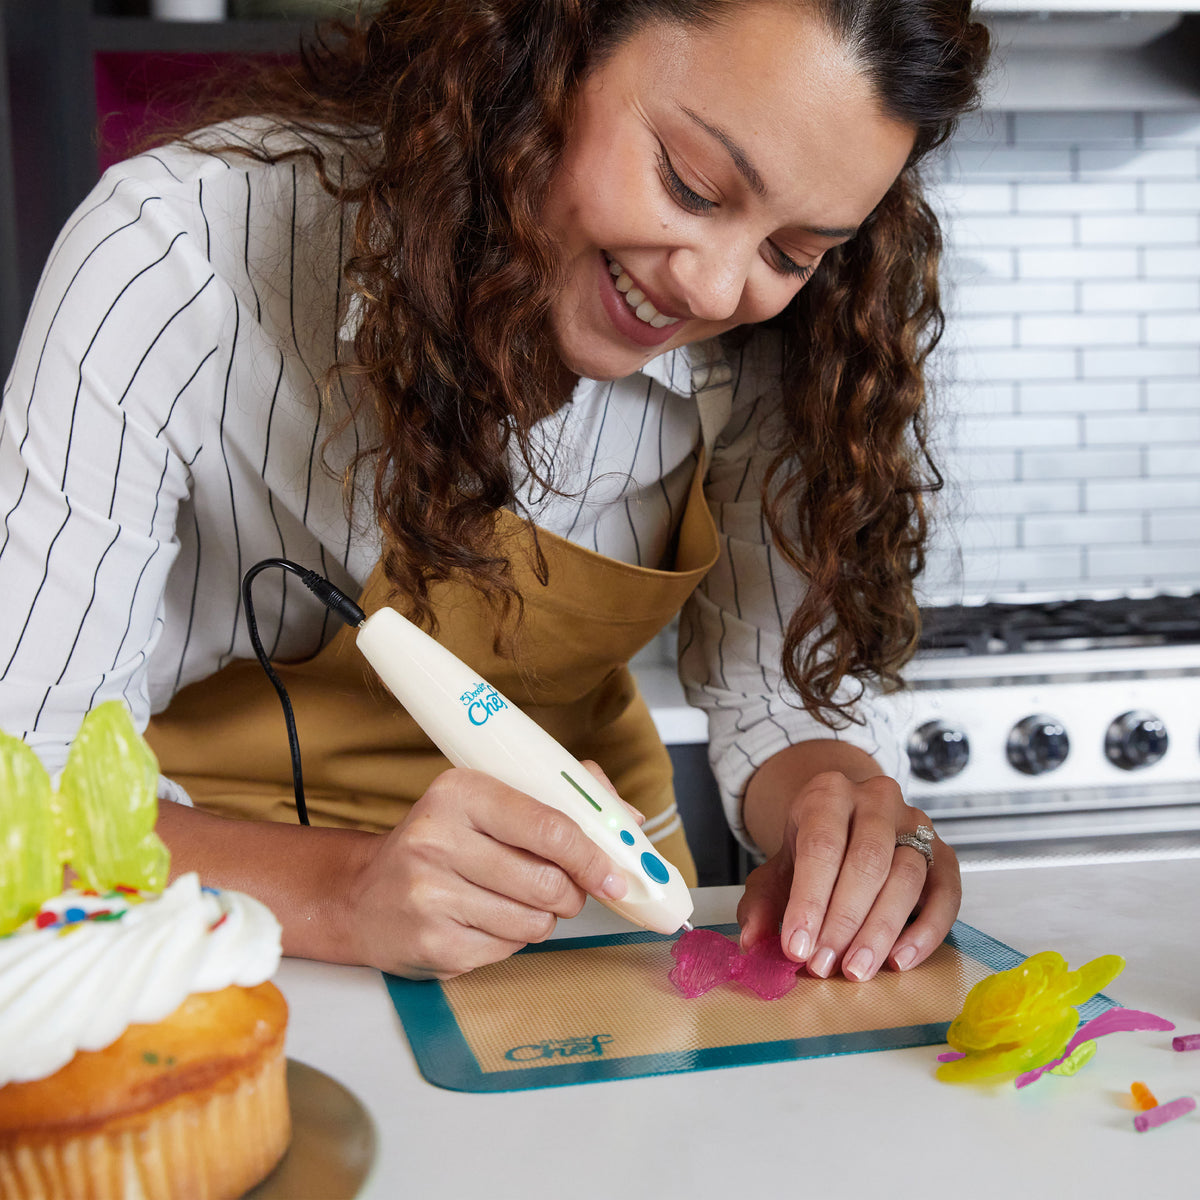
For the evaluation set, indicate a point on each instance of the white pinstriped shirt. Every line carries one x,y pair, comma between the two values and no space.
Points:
161,432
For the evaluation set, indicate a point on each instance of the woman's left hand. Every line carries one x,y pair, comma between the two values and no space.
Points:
839,890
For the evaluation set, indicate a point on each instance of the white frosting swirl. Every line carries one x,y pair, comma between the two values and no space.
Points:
77,984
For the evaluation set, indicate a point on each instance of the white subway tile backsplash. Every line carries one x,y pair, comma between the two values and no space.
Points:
979,263
1170,127
976,198
1074,128
1144,495
1016,364
1082,529
1181,459
977,398
1109,162
1171,261
1086,463
1021,498
1083,262
1170,328
1140,362
985,160
1138,229
1083,395
1076,197
1141,295
1025,570
1018,432
1069,422
970,230
1175,196
1015,297
1147,561
1107,429
970,330
1175,527
1077,329
978,466
1172,393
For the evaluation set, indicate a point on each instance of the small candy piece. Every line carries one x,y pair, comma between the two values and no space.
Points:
703,959
1188,1041
765,969
1073,1061
30,865
107,804
1163,1113
1143,1097
950,1056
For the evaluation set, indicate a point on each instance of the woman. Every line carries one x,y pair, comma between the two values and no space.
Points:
488,314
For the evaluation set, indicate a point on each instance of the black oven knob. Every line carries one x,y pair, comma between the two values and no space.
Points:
1135,739
937,751
1038,744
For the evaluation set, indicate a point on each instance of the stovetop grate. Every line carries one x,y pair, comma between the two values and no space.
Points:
1010,628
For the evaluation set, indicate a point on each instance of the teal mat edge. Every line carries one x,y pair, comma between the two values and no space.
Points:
445,1059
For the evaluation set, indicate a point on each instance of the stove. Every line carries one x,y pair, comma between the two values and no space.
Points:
1068,722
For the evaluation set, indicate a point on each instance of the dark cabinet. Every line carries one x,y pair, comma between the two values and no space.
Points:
57,59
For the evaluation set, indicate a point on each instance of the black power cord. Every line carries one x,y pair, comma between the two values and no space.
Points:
340,605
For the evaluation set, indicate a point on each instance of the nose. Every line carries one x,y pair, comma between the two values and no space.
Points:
710,275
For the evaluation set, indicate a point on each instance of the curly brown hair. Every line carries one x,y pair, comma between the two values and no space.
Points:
453,115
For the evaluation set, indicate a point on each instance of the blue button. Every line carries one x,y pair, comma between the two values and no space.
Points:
655,867
627,837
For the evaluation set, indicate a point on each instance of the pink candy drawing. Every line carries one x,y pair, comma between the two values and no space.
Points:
705,958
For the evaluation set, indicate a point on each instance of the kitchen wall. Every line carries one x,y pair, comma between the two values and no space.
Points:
1069,382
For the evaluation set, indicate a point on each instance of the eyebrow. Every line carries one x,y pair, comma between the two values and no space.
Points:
750,174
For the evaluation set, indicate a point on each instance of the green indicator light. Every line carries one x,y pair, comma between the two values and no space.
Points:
581,791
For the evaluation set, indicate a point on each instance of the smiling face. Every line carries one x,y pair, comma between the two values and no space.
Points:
705,174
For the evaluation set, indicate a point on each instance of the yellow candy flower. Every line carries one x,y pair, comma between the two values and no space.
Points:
1021,1018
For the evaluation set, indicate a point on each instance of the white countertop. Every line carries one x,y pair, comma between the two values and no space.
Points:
853,1125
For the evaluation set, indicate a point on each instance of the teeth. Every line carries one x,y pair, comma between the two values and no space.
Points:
636,299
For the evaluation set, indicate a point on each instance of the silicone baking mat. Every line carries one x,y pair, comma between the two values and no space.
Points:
581,1010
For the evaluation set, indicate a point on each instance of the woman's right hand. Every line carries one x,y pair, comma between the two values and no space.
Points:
476,871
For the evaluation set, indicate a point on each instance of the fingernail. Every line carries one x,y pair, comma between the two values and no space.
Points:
904,956
799,946
614,886
859,966
821,963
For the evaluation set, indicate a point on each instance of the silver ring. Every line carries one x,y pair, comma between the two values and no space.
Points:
920,839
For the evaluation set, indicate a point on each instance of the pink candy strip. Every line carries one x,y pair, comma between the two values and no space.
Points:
1114,1020
1189,1041
1153,1117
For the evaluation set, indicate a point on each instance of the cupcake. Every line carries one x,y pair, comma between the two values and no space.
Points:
141,1042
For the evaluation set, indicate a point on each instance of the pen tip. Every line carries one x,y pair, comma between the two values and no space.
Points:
686,927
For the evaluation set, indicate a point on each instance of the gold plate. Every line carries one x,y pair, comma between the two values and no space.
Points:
333,1141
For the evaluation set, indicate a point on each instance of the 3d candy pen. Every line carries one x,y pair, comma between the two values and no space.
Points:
475,726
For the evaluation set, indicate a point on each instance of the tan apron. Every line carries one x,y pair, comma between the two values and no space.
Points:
366,762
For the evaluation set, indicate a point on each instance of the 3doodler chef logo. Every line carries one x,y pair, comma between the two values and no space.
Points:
480,702
557,1049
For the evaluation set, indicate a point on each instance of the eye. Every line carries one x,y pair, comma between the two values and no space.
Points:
789,266
692,201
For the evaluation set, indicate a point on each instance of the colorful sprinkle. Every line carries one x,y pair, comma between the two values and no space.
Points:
218,922
45,918
72,915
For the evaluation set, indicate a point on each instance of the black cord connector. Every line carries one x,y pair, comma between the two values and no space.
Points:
340,605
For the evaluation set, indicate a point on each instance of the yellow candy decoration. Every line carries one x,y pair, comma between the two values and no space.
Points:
30,864
107,804
1021,1018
